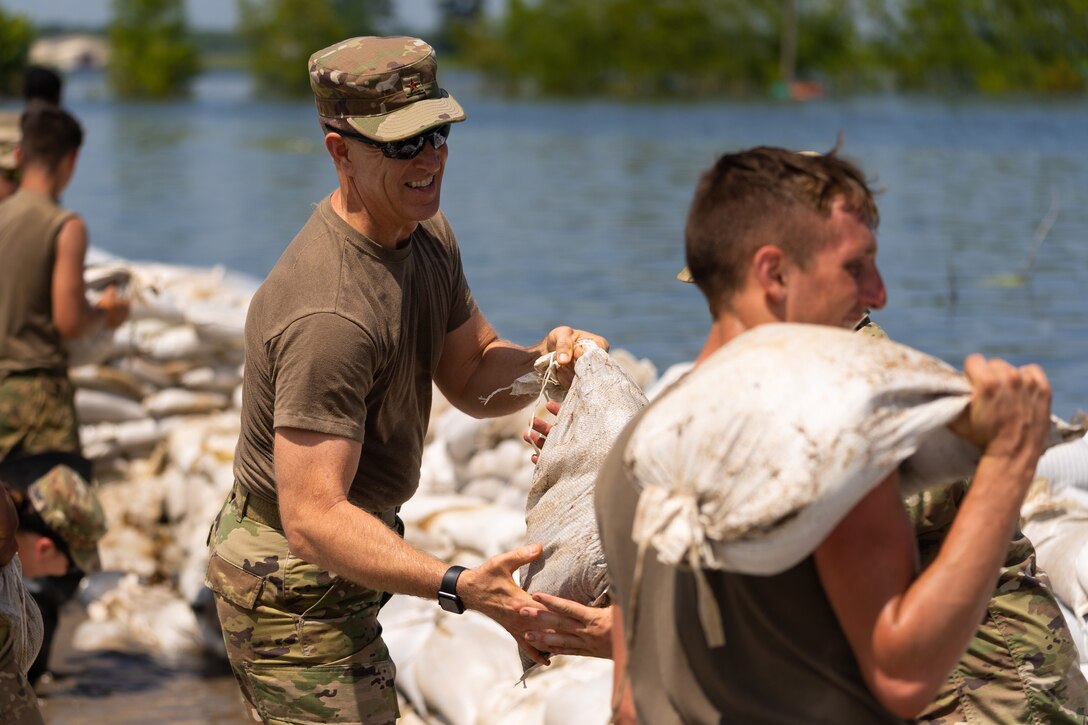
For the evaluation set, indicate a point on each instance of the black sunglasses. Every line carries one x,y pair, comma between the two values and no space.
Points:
406,148
10,175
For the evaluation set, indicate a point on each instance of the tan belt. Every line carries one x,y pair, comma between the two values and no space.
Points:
257,508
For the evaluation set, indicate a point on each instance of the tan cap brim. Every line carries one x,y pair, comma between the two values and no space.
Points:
86,559
409,121
685,275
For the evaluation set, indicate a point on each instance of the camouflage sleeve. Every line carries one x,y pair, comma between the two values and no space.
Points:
18,703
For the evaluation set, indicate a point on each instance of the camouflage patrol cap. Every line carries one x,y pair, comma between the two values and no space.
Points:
385,88
69,506
9,139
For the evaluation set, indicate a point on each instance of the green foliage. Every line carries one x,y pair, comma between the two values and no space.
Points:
994,45
712,47
280,36
16,35
151,53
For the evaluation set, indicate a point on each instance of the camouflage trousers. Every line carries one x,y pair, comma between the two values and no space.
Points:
1022,665
304,644
37,415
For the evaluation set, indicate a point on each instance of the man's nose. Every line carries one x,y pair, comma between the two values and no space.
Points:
873,293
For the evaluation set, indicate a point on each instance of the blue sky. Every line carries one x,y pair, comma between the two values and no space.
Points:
209,14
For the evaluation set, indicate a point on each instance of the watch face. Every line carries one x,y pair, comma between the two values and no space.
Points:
451,602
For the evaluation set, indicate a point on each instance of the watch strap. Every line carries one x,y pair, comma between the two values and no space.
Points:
447,591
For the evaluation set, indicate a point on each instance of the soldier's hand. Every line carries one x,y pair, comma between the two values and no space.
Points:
490,589
114,307
1009,413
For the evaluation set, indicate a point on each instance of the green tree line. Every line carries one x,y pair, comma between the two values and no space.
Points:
714,47
627,48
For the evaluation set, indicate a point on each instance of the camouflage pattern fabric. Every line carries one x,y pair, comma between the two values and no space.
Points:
20,638
18,703
384,88
304,644
69,505
1022,665
37,415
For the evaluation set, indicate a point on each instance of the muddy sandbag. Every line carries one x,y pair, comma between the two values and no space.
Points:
559,510
803,421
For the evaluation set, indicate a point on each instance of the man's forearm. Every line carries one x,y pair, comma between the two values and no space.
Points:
360,547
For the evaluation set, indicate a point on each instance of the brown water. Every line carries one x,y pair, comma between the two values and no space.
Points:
119,688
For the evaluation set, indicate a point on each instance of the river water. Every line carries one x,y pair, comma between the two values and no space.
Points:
573,213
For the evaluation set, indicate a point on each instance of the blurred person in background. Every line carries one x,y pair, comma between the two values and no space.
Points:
51,528
42,302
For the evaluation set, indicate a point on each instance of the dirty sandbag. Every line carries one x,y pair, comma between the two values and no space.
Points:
752,459
559,511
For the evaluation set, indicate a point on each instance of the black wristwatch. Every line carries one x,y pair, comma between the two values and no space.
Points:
447,593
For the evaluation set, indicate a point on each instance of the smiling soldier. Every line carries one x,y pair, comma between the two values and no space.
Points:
366,307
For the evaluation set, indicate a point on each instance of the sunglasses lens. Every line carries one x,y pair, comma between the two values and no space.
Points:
409,148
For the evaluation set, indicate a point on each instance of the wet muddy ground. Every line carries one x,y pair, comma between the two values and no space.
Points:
122,688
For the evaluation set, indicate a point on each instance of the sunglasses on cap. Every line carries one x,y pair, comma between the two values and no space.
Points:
406,148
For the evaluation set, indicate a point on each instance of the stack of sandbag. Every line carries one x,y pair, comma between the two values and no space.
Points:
160,404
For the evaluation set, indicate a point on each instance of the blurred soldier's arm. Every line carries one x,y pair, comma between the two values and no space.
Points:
72,314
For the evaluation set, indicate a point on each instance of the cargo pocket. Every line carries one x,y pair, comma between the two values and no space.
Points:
351,693
233,583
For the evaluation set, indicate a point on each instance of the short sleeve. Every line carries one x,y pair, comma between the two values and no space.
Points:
462,303
323,368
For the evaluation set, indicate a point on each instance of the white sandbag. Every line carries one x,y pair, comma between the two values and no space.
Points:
559,511
220,379
109,439
453,684
569,690
489,530
1054,517
175,343
502,462
95,406
753,458
179,401
107,379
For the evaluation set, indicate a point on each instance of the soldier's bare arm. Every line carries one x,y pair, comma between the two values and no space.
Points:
314,472
476,362
908,633
72,315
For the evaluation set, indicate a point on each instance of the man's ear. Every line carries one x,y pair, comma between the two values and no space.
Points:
44,547
338,149
769,267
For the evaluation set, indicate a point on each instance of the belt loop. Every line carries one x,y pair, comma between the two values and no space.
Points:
241,506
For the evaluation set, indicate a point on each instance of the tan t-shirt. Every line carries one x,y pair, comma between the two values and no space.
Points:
785,659
29,224
343,338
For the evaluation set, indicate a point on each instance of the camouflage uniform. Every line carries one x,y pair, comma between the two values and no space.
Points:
1021,666
37,415
305,645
